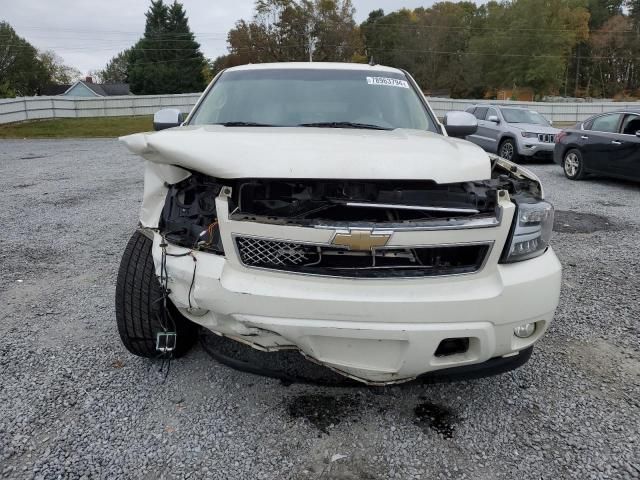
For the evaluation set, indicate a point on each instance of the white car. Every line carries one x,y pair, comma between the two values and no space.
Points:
322,207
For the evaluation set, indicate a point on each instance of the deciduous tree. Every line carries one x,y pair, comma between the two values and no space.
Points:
22,72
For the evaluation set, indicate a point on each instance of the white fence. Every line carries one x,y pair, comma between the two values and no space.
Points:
31,108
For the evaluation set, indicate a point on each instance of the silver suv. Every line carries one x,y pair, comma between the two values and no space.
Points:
513,132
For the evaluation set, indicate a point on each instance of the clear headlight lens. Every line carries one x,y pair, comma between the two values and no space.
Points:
529,135
531,232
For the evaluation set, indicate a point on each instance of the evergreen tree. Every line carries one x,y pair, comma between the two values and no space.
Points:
167,59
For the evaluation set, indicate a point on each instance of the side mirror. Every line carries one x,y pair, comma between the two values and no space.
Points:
638,133
167,118
550,122
493,118
460,124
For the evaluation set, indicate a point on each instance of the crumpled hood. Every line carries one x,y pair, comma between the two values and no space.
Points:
283,152
535,128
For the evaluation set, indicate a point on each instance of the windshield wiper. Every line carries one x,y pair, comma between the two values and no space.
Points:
244,124
344,125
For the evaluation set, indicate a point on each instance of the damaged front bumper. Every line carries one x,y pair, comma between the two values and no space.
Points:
376,330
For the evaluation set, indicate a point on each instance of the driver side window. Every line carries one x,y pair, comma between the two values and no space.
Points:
630,124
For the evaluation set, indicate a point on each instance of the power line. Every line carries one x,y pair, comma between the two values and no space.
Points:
436,52
364,24
304,47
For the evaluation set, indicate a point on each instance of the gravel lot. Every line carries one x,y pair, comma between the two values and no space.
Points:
75,404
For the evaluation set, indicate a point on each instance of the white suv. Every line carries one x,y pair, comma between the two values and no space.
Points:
322,207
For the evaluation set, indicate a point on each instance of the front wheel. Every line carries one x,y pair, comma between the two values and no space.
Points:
139,307
508,150
573,165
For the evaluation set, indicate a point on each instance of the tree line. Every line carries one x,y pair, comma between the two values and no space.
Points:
582,48
553,47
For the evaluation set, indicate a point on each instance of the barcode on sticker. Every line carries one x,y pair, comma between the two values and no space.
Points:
387,82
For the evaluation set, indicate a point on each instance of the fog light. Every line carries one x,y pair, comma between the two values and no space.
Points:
524,331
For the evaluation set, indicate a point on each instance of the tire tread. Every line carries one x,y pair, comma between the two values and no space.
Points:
137,305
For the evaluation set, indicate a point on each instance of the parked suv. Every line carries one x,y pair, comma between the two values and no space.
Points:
323,207
513,132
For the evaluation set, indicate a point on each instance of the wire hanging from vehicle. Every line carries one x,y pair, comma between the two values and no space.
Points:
164,317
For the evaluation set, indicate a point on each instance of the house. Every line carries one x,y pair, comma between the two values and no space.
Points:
86,88
53,89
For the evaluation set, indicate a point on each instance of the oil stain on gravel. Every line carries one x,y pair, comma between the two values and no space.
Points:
322,411
577,222
434,417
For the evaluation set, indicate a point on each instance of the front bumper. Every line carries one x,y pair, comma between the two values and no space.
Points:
377,331
532,147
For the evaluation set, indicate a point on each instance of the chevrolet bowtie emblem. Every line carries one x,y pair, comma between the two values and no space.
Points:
362,240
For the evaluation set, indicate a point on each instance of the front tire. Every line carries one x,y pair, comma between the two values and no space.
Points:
139,306
509,150
572,165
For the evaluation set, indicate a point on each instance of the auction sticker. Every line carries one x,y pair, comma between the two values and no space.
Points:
387,82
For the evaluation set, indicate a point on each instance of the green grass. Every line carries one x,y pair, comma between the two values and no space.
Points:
77,127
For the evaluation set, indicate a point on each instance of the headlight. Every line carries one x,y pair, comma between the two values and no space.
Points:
531,232
189,217
529,135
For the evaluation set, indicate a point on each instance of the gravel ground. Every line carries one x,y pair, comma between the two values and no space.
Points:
75,404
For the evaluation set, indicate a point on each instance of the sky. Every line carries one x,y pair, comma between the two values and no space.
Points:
87,34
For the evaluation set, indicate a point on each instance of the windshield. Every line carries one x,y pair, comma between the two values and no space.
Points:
314,97
517,115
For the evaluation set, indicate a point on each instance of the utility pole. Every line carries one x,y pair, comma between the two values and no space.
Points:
577,71
310,44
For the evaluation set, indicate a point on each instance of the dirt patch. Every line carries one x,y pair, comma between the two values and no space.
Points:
600,359
577,222
605,203
434,417
70,201
322,411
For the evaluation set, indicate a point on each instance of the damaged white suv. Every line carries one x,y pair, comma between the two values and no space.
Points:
324,208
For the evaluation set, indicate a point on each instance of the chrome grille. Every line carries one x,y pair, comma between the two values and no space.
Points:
260,252
418,261
547,138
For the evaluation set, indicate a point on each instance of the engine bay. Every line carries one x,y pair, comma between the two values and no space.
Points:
189,215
